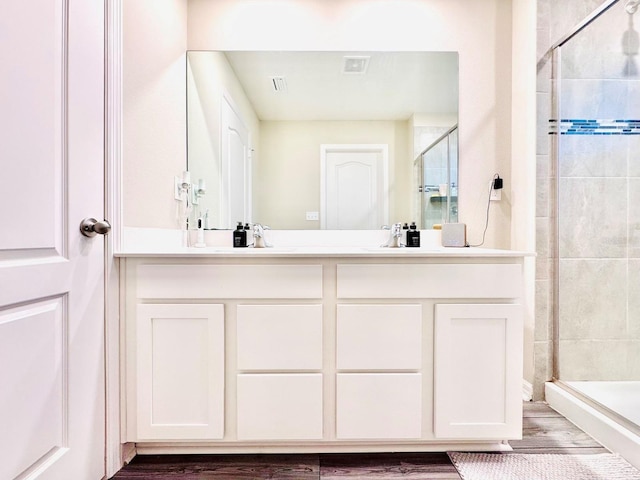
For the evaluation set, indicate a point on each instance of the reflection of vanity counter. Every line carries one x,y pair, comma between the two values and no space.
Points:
340,348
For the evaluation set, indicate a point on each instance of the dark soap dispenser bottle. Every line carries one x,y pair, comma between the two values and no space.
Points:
413,236
239,236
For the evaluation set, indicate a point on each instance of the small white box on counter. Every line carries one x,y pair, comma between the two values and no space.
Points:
454,235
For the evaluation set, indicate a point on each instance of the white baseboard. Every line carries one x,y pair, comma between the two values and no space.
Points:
128,452
610,434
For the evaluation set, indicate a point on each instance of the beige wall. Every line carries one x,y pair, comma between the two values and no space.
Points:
523,148
287,180
480,31
153,130
154,81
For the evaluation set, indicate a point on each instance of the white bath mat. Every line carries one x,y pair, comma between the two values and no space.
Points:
517,466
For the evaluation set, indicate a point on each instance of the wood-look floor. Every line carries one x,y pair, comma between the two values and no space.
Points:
544,431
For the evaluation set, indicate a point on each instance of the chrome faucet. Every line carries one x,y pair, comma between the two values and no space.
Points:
258,236
395,237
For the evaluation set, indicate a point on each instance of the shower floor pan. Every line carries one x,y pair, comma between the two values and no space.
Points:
623,397
611,433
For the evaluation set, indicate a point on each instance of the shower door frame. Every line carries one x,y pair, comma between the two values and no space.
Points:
422,185
556,77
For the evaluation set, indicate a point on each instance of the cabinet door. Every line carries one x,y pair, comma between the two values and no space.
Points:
379,406
180,372
478,371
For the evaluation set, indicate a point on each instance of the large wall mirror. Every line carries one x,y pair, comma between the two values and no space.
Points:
336,140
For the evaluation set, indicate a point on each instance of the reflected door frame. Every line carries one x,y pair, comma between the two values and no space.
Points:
380,176
235,165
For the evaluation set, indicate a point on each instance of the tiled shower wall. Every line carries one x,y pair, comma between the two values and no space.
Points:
599,189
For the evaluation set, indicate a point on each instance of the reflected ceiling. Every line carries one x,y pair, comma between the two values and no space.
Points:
393,86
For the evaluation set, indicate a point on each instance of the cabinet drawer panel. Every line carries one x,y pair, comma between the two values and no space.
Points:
279,406
378,337
379,405
430,281
229,281
180,371
279,337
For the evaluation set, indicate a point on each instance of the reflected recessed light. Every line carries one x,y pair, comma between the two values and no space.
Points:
354,64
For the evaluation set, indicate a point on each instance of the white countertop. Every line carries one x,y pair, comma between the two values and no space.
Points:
158,243
319,251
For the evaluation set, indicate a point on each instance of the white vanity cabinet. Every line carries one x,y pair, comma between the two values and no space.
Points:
204,351
322,353
475,354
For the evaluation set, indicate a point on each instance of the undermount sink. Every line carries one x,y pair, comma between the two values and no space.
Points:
271,249
319,250
248,250
401,250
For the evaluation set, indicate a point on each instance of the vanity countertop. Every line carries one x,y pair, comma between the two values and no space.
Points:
320,251
297,244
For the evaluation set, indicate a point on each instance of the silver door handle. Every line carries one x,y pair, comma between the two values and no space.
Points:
89,227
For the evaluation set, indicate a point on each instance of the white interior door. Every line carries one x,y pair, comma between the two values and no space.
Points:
236,168
354,187
52,410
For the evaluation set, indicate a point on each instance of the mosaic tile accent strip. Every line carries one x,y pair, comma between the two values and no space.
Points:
574,126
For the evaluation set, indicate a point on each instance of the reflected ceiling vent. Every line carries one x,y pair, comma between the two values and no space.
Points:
279,84
355,64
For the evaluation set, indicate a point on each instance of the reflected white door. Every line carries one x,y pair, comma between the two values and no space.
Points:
353,187
236,168
52,409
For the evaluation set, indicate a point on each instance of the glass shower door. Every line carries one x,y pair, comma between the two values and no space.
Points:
437,174
597,300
